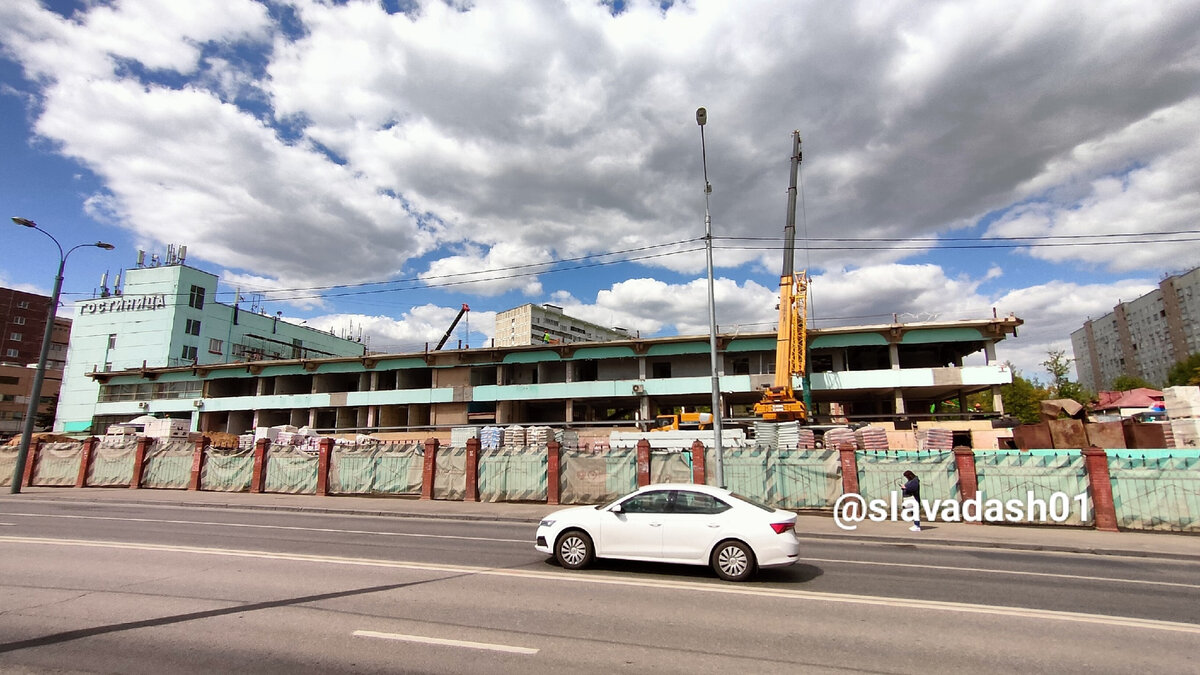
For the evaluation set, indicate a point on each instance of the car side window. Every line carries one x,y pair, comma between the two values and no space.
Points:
698,502
647,502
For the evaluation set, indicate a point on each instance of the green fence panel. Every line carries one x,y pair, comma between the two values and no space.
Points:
112,463
881,473
227,470
399,469
807,479
1157,491
352,469
8,464
1015,475
57,464
376,468
513,474
587,477
290,470
671,467
749,471
450,474
168,465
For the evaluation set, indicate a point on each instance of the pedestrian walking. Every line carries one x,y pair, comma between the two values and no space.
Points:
912,490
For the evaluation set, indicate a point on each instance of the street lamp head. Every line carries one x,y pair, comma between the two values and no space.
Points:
104,245
24,221
701,116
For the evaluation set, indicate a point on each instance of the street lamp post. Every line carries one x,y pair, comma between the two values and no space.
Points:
702,119
40,374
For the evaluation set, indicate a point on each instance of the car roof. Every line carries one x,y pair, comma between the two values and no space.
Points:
695,487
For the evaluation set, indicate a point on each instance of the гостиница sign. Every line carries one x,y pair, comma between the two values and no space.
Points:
123,304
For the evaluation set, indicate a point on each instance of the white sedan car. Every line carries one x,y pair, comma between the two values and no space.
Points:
674,523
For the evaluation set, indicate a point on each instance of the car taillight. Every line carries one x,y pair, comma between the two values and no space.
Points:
780,528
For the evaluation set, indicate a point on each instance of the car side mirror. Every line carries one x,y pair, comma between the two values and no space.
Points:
616,508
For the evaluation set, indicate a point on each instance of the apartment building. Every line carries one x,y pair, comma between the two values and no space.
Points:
547,324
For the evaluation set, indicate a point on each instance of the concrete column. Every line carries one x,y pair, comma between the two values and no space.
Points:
997,400
643,463
85,461
894,355
312,417
430,468
553,487
372,415
259,478
989,352
139,461
898,397
1096,462
699,476
472,470
569,411
324,456
968,479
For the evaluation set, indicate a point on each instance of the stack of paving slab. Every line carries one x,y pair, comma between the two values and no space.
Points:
766,434
460,435
538,436
490,437
1183,409
835,437
872,438
935,439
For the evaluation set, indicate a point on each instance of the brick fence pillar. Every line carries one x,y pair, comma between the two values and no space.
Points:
1096,461
472,470
553,486
198,462
643,463
429,469
35,449
698,475
259,477
968,479
85,461
324,457
849,468
139,461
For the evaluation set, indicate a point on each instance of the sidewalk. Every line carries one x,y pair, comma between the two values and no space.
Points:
1163,545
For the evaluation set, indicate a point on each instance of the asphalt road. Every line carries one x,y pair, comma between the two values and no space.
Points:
121,589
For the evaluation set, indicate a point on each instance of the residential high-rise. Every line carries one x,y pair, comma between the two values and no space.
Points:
1143,337
23,321
538,324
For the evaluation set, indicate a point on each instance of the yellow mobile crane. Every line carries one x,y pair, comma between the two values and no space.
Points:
779,403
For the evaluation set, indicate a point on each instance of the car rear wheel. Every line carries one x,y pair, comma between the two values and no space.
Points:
574,550
733,561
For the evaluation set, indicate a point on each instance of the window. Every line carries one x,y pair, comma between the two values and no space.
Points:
697,502
647,502
19,320
12,353
197,298
660,370
8,379
112,340
24,304
215,346
189,353
193,327
15,337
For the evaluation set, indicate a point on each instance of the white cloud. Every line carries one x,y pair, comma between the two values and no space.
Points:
420,327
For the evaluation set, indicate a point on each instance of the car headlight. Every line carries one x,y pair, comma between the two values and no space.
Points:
548,522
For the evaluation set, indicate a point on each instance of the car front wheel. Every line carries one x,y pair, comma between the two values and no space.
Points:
574,550
733,561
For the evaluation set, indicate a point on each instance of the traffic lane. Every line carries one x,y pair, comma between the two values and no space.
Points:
191,612
950,574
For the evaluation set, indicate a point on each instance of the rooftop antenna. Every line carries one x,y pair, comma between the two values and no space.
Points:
170,260
104,285
117,285
141,258
182,253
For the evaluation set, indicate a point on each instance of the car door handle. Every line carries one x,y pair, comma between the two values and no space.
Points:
713,525
655,524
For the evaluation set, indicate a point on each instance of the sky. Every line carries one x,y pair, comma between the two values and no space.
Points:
369,167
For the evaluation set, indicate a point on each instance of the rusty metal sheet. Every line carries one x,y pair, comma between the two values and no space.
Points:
1106,435
1068,434
1033,436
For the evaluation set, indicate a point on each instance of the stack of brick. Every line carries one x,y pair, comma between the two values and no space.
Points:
1183,409
539,436
805,438
872,438
835,437
935,439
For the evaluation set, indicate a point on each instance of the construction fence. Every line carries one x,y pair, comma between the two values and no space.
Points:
1120,488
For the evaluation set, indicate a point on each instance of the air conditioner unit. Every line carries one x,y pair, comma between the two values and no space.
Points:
143,404
639,389
199,403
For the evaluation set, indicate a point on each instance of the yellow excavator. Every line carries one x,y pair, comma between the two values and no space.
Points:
779,402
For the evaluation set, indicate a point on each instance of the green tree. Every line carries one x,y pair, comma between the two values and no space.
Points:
1059,367
1129,382
1186,373
1021,398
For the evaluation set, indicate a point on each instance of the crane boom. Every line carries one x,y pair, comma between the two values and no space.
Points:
454,323
779,399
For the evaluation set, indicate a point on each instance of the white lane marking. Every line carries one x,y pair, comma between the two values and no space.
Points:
658,584
446,643
270,527
995,571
